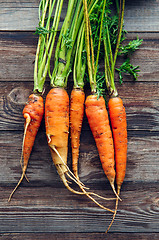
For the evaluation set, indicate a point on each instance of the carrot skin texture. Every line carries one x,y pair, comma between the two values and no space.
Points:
57,131
57,125
76,119
99,123
119,128
35,109
33,114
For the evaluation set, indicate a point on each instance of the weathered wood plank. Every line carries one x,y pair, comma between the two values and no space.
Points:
79,236
140,99
22,15
39,210
140,15
17,54
142,163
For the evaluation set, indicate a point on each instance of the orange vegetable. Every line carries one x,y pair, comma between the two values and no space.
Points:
33,114
119,128
99,123
57,127
76,119
57,131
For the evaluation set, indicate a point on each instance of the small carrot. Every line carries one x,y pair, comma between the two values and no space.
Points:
76,119
33,114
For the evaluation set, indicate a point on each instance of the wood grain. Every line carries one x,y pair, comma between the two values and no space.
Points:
17,54
41,211
70,236
140,16
44,208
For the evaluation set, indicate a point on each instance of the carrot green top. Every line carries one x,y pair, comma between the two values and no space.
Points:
65,45
70,46
110,59
47,30
92,63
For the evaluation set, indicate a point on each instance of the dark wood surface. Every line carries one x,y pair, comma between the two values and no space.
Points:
43,208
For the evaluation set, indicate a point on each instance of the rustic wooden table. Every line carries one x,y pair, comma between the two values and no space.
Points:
43,208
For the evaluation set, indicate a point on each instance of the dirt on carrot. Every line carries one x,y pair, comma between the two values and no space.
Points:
33,114
99,123
76,119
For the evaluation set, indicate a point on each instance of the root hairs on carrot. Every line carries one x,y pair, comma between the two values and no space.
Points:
33,114
57,130
99,123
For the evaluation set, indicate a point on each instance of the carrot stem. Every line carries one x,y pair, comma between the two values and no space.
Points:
47,33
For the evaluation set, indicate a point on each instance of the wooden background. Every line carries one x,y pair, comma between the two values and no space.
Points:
43,208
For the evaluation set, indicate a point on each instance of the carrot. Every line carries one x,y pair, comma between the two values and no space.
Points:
76,119
99,124
115,105
57,131
57,127
119,128
95,106
33,114
34,109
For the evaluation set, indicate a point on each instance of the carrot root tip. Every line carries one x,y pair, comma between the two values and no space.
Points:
116,194
22,176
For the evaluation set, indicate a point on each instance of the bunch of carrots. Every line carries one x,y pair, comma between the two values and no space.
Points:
78,50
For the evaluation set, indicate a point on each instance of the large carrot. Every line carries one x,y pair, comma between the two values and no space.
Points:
33,114
76,119
99,123
57,128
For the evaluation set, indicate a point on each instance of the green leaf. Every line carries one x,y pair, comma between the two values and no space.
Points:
127,68
67,39
131,47
43,31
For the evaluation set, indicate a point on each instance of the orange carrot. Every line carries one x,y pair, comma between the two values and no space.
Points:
76,119
33,113
119,127
57,131
57,127
99,123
